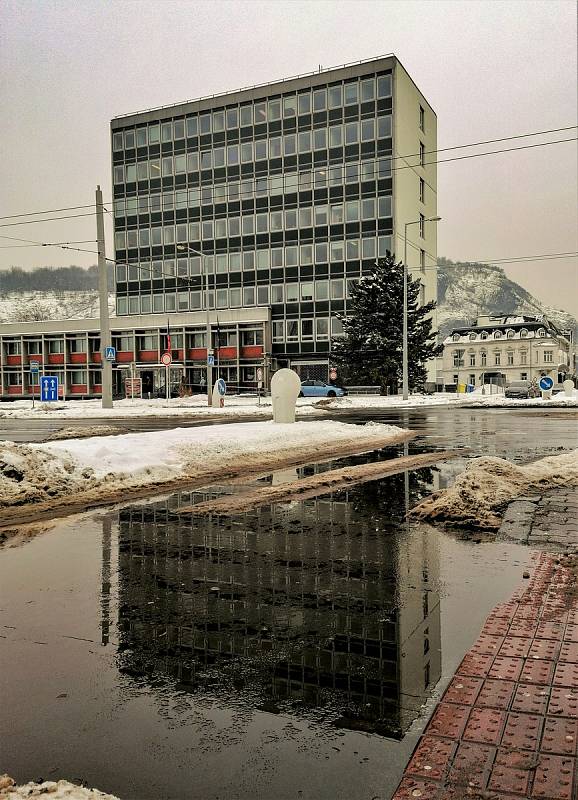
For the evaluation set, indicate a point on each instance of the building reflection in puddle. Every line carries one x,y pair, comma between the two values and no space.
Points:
327,608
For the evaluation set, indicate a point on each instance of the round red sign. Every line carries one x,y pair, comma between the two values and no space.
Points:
166,359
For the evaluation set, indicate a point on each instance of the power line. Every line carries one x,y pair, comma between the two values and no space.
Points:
391,157
48,219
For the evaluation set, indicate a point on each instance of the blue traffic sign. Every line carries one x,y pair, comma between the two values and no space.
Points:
221,387
34,367
48,388
211,360
110,353
546,383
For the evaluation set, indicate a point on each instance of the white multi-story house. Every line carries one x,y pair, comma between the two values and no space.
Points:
504,349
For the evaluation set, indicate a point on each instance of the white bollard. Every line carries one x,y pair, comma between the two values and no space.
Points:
285,388
568,387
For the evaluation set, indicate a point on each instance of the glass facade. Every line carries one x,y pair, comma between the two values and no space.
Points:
287,196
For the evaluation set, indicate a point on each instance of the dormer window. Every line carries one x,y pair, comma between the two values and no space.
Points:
510,334
541,332
456,337
484,335
523,333
497,334
472,336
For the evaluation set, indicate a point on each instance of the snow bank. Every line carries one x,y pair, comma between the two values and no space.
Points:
60,790
93,469
487,484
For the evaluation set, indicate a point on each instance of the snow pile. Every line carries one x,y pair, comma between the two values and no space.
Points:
28,475
84,432
488,484
106,468
61,790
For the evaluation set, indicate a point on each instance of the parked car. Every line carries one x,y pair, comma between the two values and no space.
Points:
520,390
320,389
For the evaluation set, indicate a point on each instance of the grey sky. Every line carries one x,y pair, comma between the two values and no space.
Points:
490,69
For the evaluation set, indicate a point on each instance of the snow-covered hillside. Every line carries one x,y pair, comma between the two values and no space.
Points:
34,306
467,290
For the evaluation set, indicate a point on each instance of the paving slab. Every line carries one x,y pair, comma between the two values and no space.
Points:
507,725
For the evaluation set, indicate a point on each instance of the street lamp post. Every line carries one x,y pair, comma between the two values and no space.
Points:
186,248
405,384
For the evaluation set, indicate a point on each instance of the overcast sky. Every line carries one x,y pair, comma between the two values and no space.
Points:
489,69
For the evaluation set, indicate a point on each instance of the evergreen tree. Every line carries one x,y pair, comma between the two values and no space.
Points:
370,350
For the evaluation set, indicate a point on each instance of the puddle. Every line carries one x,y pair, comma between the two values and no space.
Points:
282,653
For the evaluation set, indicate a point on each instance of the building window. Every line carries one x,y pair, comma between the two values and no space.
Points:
458,357
484,335
278,330
78,377
13,379
523,376
523,333
422,260
548,356
456,337
422,154
497,334
77,345
13,348
523,357
497,359
541,333
510,357
422,190
456,378
472,380
422,226
421,118
472,359
472,336
484,358
510,334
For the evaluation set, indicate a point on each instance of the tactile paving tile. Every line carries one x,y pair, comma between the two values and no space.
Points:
487,644
571,633
522,731
554,778
560,736
544,648
475,666
506,610
472,761
531,698
432,758
410,788
549,630
515,646
496,626
495,694
523,628
566,675
506,668
537,671
569,652
509,775
463,690
449,720
563,702
484,725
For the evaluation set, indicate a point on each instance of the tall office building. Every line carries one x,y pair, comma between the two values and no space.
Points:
273,198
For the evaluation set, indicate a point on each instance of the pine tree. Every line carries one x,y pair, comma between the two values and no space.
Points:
370,350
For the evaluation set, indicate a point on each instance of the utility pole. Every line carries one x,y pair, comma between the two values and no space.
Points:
103,297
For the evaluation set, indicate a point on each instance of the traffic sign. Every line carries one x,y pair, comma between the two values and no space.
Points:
48,388
221,387
546,383
166,359
211,360
332,374
34,367
259,374
110,353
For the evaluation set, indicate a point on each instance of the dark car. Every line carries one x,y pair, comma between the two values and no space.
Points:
520,390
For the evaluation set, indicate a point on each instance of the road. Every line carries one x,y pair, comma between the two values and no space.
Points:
520,434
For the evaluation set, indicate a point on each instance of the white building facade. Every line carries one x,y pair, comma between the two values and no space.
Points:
505,349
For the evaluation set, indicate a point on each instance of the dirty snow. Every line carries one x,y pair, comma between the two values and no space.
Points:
100,467
480,493
55,790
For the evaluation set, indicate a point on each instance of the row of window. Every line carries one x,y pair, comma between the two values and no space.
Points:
302,218
233,191
336,289
509,334
351,133
75,377
153,340
34,348
291,105
459,358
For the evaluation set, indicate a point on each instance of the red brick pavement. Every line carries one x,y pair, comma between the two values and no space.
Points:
507,725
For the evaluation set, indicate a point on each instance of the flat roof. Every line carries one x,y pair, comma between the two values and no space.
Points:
260,90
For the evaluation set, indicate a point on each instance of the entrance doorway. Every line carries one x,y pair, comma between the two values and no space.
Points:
147,377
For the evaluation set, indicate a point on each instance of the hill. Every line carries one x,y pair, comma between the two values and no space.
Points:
466,290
